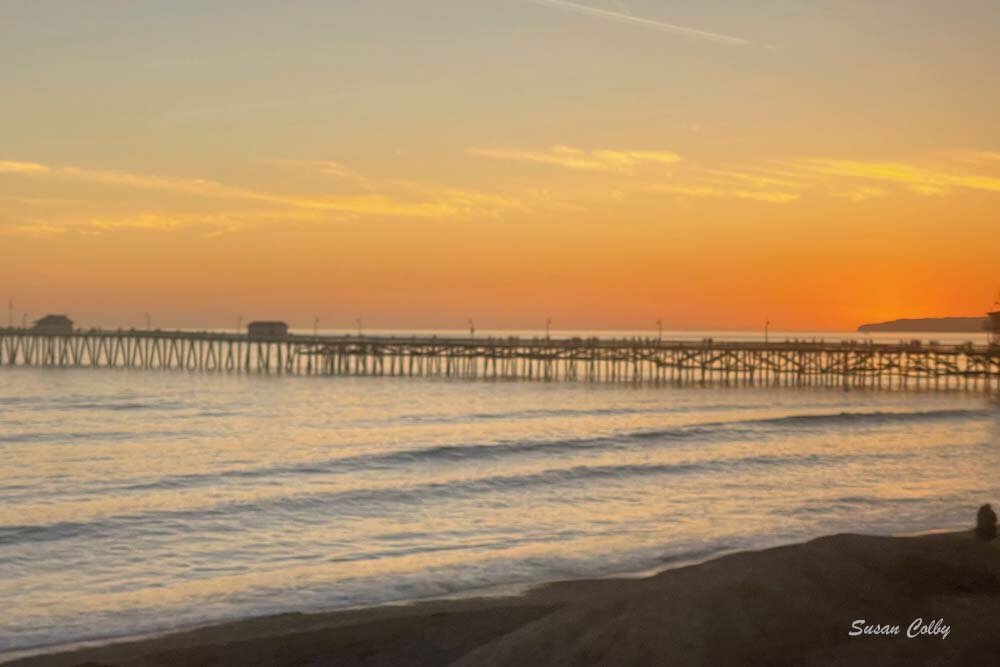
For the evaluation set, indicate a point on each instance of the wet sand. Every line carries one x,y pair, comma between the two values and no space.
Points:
795,604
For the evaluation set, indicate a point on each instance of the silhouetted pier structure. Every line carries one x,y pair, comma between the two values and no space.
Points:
634,360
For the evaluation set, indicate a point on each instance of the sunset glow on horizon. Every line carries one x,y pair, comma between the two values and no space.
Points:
420,164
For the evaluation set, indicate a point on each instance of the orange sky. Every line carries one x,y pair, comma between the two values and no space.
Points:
507,162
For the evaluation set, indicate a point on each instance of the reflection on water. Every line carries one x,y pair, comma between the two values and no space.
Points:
134,502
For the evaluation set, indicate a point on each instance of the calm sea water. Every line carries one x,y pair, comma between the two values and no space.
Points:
135,502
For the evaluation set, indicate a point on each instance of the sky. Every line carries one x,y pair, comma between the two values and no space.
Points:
603,164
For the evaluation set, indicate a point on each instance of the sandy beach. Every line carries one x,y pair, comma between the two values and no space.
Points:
797,604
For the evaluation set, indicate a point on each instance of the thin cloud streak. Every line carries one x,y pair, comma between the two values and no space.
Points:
582,160
430,202
923,180
854,180
9,167
38,201
769,196
325,167
618,17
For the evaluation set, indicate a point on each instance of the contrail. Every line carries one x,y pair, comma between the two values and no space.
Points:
637,20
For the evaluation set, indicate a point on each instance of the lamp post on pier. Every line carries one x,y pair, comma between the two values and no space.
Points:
659,331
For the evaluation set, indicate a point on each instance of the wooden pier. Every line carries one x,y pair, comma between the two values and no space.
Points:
635,360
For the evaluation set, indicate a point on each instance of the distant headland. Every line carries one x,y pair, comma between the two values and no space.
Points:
929,325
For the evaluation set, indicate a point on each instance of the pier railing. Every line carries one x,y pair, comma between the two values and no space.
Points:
790,362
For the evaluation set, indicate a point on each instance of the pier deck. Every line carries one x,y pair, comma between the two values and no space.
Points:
648,360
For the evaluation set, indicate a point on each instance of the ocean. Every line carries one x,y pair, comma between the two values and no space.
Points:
137,502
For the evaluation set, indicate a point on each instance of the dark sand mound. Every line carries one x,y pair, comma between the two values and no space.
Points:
788,605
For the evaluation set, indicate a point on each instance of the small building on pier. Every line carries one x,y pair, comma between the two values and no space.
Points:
267,330
54,325
993,326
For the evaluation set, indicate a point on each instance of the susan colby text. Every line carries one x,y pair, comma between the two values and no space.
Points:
918,628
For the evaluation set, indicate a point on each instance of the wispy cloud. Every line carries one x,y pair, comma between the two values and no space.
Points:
753,177
430,202
619,17
470,199
933,179
8,167
325,167
580,159
860,193
975,157
31,228
620,177
209,224
775,181
39,201
715,192
781,181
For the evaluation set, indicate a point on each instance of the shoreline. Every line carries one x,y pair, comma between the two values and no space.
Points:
485,593
495,591
489,592
800,601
